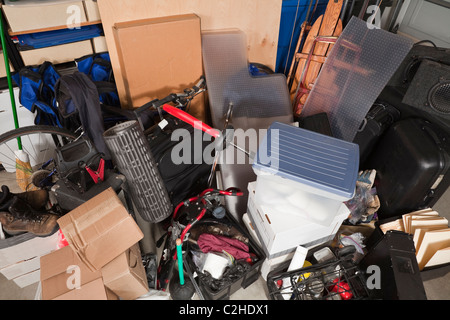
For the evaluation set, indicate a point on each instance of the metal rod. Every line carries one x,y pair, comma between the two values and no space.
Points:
8,75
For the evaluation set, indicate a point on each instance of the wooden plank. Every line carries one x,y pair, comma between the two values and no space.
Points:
326,25
81,24
259,19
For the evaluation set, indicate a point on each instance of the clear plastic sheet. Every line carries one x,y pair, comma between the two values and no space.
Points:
258,101
357,69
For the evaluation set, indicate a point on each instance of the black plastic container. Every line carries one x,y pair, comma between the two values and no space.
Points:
395,256
412,161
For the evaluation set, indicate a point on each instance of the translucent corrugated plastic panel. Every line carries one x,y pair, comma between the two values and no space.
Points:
229,81
257,102
357,69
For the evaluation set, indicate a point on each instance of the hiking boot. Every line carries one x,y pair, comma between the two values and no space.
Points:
37,199
23,218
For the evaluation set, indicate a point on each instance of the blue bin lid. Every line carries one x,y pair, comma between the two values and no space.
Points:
319,161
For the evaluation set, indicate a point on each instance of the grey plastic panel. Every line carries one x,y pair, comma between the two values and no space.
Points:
257,102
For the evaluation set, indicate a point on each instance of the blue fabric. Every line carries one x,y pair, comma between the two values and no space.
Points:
36,92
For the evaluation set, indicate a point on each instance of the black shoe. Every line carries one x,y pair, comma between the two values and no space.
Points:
6,198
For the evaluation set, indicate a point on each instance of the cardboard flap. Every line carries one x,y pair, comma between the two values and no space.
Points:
100,229
61,266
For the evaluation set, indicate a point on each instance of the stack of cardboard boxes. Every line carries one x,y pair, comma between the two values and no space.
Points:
102,260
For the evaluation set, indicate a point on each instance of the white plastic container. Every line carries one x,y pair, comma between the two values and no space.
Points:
281,232
305,173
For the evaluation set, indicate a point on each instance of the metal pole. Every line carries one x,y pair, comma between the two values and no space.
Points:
8,75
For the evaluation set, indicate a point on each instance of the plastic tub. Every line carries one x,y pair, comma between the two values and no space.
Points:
305,173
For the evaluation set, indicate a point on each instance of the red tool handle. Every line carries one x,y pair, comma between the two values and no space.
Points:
186,117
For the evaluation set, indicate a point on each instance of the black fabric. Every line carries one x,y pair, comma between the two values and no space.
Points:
181,180
79,90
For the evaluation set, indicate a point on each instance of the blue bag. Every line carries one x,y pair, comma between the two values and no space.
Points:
98,67
37,94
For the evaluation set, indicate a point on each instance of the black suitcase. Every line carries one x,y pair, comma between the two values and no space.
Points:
182,180
393,256
379,118
412,161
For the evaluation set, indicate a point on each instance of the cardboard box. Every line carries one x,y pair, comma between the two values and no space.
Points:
99,44
159,56
59,270
268,264
280,232
100,229
24,247
125,275
27,16
94,290
57,54
21,268
28,278
92,12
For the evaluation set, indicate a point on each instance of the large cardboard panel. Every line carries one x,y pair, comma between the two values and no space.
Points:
259,19
100,229
157,57
57,54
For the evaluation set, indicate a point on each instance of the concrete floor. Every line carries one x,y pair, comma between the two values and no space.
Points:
436,287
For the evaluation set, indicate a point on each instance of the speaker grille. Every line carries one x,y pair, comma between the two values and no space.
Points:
439,97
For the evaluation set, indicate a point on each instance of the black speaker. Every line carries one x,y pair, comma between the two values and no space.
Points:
429,91
394,255
402,77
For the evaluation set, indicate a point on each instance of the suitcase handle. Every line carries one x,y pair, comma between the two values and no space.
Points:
433,135
186,117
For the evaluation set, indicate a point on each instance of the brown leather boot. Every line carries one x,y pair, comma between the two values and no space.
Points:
23,218
37,199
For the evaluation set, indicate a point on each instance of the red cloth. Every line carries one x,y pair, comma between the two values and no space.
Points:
216,243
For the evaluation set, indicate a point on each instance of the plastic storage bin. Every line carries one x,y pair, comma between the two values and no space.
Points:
281,232
305,173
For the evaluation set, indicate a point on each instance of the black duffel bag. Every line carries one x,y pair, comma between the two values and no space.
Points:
180,158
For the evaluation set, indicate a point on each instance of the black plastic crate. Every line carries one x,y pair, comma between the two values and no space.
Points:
242,279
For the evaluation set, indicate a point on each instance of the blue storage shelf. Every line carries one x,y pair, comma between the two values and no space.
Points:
57,37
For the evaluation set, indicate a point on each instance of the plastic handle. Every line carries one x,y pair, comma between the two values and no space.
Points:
180,261
186,117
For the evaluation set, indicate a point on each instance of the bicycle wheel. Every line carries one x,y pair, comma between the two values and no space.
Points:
39,142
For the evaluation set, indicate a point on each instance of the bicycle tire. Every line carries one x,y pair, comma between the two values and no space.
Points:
39,142
14,133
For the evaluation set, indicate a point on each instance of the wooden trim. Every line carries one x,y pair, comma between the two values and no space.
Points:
82,24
